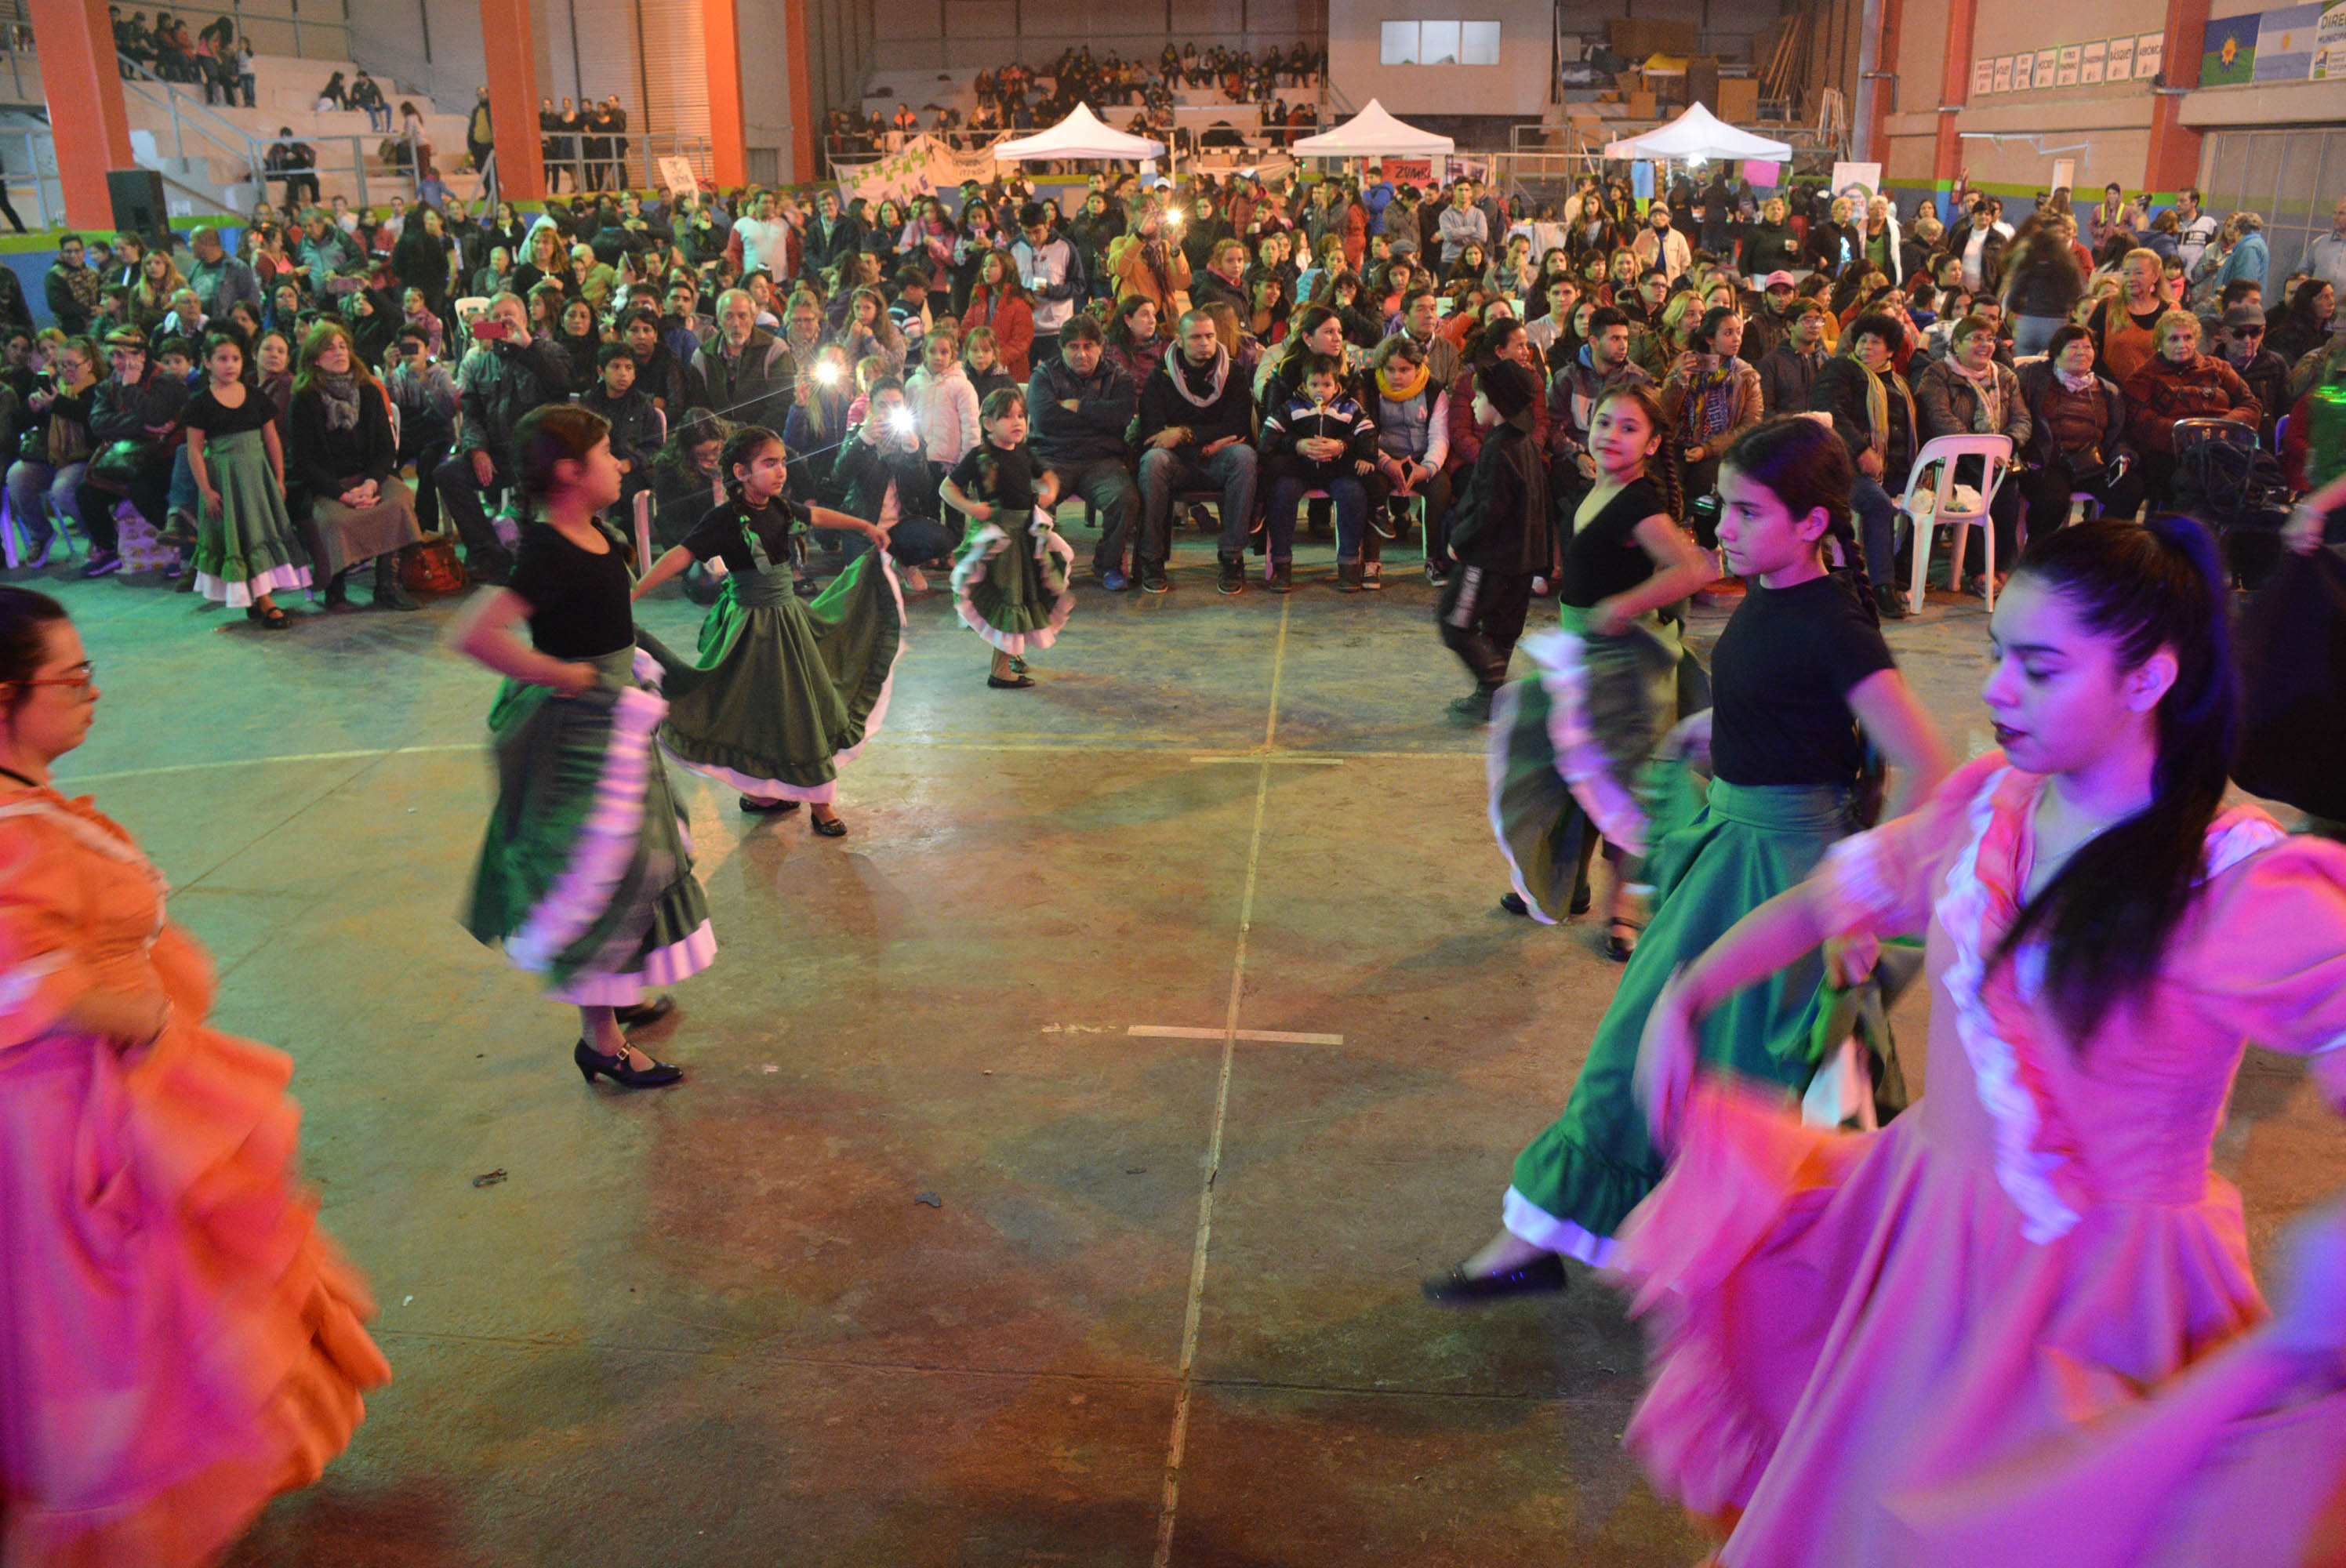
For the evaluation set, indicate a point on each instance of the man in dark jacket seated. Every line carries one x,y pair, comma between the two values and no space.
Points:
1197,428
131,414
1078,405
505,376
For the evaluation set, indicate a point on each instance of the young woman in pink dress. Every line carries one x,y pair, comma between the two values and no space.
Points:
179,1341
2018,1326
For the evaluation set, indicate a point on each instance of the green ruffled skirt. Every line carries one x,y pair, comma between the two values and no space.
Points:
1581,1178
785,691
586,873
246,546
1012,588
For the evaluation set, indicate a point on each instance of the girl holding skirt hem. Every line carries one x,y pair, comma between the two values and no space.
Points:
585,873
1011,586
1800,670
2037,1253
246,550
785,690
1573,746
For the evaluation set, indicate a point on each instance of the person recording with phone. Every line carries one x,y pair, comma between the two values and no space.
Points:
887,479
505,376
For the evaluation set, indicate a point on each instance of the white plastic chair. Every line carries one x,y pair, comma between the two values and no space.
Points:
1940,511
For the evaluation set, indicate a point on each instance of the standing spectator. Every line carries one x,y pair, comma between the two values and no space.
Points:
2249,257
1462,223
2179,383
944,403
765,238
1873,412
480,133
1143,264
2325,256
1079,406
2076,435
1711,397
999,303
1969,394
505,376
2125,327
71,286
1053,276
2042,285
1660,245
219,279
2241,340
1788,371
53,455
343,462
2194,230
2108,219
423,258
1978,242
745,373
1197,423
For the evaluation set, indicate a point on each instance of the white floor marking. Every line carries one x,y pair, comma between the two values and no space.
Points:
1269,1036
1179,1442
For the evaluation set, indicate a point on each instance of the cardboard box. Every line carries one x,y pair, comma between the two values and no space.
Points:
1638,37
1738,100
1642,106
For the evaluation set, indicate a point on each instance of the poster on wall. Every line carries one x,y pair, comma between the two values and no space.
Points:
2043,68
2023,69
2149,54
2228,53
2285,41
2089,63
2004,73
2121,65
2329,45
2067,76
1983,75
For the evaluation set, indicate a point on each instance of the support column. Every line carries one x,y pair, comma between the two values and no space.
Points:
1876,91
803,167
84,86
729,138
2172,163
511,55
1954,90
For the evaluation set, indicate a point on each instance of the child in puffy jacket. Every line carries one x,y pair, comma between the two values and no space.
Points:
1322,439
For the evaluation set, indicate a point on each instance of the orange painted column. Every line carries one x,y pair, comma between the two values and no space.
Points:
1886,60
1954,90
512,99
2174,160
83,85
729,137
803,167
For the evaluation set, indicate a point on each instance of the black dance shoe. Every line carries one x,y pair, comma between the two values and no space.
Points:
643,1015
758,807
658,1075
1544,1276
831,827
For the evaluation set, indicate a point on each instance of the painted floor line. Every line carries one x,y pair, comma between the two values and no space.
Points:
1268,1036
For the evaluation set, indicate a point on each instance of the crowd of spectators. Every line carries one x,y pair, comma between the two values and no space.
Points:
1263,349
217,58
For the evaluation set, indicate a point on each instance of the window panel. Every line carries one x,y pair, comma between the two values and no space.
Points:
1399,46
1478,43
1437,44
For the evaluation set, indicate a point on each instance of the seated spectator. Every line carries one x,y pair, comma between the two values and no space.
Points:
1136,343
2241,340
2179,383
508,374
744,372
636,427
2307,324
2077,424
1711,397
1873,412
131,416
942,401
1788,370
889,483
1412,412
577,335
820,419
1197,421
424,395
662,377
1968,394
686,483
867,330
1223,281
54,449
1079,406
1320,438
1603,365
342,468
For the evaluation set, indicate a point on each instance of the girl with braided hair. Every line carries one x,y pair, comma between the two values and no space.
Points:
584,876
1798,672
784,689
1011,585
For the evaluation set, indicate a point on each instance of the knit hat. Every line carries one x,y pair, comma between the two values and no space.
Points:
1508,387
2242,315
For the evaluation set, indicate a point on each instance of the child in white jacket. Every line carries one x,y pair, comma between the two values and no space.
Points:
943,400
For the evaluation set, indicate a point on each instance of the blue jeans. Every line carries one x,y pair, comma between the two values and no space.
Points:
2030,334
1164,473
1345,492
1877,530
30,483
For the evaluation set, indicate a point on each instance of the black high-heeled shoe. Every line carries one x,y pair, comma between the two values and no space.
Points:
659,1075
1543,1276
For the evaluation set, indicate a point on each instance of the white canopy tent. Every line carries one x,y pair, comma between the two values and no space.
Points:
1699,134
1079,136
1374,133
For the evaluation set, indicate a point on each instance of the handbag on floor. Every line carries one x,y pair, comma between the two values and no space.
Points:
431,567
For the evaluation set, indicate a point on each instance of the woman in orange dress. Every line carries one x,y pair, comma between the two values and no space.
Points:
179,1341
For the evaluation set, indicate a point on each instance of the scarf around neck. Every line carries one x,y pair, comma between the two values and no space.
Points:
1216,375
2081,383
1987,419
1402,392
340,394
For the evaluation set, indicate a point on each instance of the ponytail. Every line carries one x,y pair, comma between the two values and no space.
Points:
742,445
1802,463
2106,915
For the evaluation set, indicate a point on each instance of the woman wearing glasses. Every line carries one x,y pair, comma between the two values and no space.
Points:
148,1198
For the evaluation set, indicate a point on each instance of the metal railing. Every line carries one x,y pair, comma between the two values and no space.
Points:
39,172
577,174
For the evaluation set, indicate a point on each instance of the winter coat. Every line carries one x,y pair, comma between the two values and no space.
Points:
1013,321
1949,405
1840,391
2160,392
497,384
755,387
1298,419
2042,449
1502,521
1092,432
946,408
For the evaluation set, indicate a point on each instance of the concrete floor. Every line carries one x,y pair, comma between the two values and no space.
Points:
1166,1307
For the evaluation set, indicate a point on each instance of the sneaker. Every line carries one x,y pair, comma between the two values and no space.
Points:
1371,577
1473,707
1281,576
1384,520
1436,574
1153,579
102,564
1114,581
1891,603
1233,575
